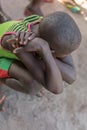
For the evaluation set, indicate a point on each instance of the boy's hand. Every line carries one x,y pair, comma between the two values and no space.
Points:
24,37
36,45
20,39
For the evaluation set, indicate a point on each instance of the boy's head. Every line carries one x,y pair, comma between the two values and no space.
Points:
61,32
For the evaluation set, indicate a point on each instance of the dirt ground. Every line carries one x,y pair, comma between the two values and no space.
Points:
67,111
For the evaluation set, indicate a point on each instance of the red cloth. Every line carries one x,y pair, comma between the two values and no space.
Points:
3,74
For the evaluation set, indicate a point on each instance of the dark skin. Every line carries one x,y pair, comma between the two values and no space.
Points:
3,16
65,64
34,7
53,82
53,68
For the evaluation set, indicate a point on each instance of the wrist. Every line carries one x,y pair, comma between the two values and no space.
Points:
44,47
46,52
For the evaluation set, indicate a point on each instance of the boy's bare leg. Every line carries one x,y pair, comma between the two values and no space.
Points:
33,8
30,88
3,16
15,84
50,76
23,81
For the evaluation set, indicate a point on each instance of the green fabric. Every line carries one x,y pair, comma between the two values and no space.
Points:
6,57
5,26
5,63
14,26
23,24
7,54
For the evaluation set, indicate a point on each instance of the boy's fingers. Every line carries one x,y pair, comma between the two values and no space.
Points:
22,38
13,41
27,34
14,45
29,38
26,37
13,38
17,34
17,37
32,36
10,40
17,50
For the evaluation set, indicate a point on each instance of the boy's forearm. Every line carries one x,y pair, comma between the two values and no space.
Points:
33,66
67,68
51,78
52,72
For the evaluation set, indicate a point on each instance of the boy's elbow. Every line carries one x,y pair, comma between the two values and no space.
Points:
72,78
72,81
58,90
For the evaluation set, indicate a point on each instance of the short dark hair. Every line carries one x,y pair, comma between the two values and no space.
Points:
60,31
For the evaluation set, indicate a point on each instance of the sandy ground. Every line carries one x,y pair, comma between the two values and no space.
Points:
67,111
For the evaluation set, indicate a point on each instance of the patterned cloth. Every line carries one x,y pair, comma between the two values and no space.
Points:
10,27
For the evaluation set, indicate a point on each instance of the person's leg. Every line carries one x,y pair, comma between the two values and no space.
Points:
15,84
23,81
18,71
33,8
20,79
3,16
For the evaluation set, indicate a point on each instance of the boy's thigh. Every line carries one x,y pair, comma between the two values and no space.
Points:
18,71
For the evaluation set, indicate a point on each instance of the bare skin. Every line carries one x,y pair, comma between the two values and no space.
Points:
65,63
53,82
34,7
53,79
3,16
31,79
